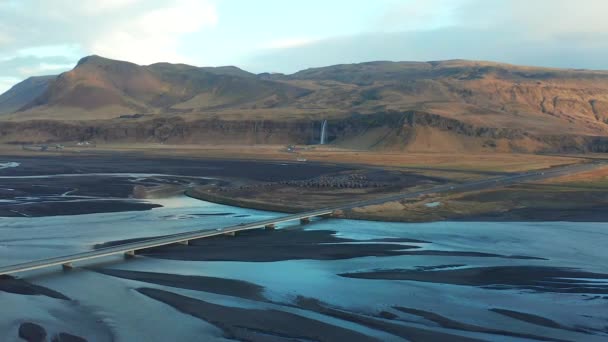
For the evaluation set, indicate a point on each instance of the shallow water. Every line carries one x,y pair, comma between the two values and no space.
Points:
9,165
128,315
33,238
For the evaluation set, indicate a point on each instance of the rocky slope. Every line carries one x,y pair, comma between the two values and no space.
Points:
432,106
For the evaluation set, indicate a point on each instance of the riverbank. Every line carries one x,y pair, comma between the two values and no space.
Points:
587,195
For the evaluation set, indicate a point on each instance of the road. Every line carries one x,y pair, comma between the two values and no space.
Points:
131,248
487,183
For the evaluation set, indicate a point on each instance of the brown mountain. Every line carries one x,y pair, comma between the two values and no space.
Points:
431,106
100,88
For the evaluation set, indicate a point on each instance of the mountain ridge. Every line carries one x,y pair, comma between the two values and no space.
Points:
482,95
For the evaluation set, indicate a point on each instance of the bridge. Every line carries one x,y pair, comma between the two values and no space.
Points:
130,249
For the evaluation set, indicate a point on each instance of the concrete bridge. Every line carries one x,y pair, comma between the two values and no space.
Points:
130,249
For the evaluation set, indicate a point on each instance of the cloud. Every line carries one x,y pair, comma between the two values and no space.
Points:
39,32
418,15
540,18
25,66
141,31
288,43
154,35
5,39
557,33
97,6
272,36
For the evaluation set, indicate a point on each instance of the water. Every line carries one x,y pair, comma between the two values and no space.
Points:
433,204
323,127
33,238
9,165
103,302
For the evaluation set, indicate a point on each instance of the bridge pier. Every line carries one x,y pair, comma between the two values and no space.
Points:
129,255
305,220
271,226
67,266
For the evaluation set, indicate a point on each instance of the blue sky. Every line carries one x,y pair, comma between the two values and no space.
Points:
39,37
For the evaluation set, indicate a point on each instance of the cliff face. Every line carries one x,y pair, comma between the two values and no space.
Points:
389,130
433,106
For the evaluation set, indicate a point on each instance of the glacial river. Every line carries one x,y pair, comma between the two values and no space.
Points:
484,281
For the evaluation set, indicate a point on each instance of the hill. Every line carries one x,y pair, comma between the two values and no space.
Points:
102,87
23,93
429,106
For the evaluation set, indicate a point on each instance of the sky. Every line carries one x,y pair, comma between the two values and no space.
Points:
45,37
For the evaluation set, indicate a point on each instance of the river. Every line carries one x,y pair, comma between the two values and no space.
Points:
477,281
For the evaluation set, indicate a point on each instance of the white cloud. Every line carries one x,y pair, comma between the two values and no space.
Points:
5,39
38,35
419,15
539,19
41,68
71,50
96,6
560,16
181,16
154,36
288,43
142,31
558,33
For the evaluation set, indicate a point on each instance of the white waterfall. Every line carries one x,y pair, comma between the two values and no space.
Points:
322,141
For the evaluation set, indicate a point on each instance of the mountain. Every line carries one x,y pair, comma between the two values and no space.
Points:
482,93
23,93
431,106
103,86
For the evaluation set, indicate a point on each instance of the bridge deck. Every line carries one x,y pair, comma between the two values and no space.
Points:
156,242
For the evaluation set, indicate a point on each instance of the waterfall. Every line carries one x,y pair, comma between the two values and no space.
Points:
322,141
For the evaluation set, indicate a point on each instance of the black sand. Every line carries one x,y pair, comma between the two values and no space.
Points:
410,333
18,286
100,194
264,246
256,324
229,287
294,244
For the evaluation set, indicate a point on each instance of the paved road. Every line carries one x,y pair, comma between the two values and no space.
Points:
199,234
